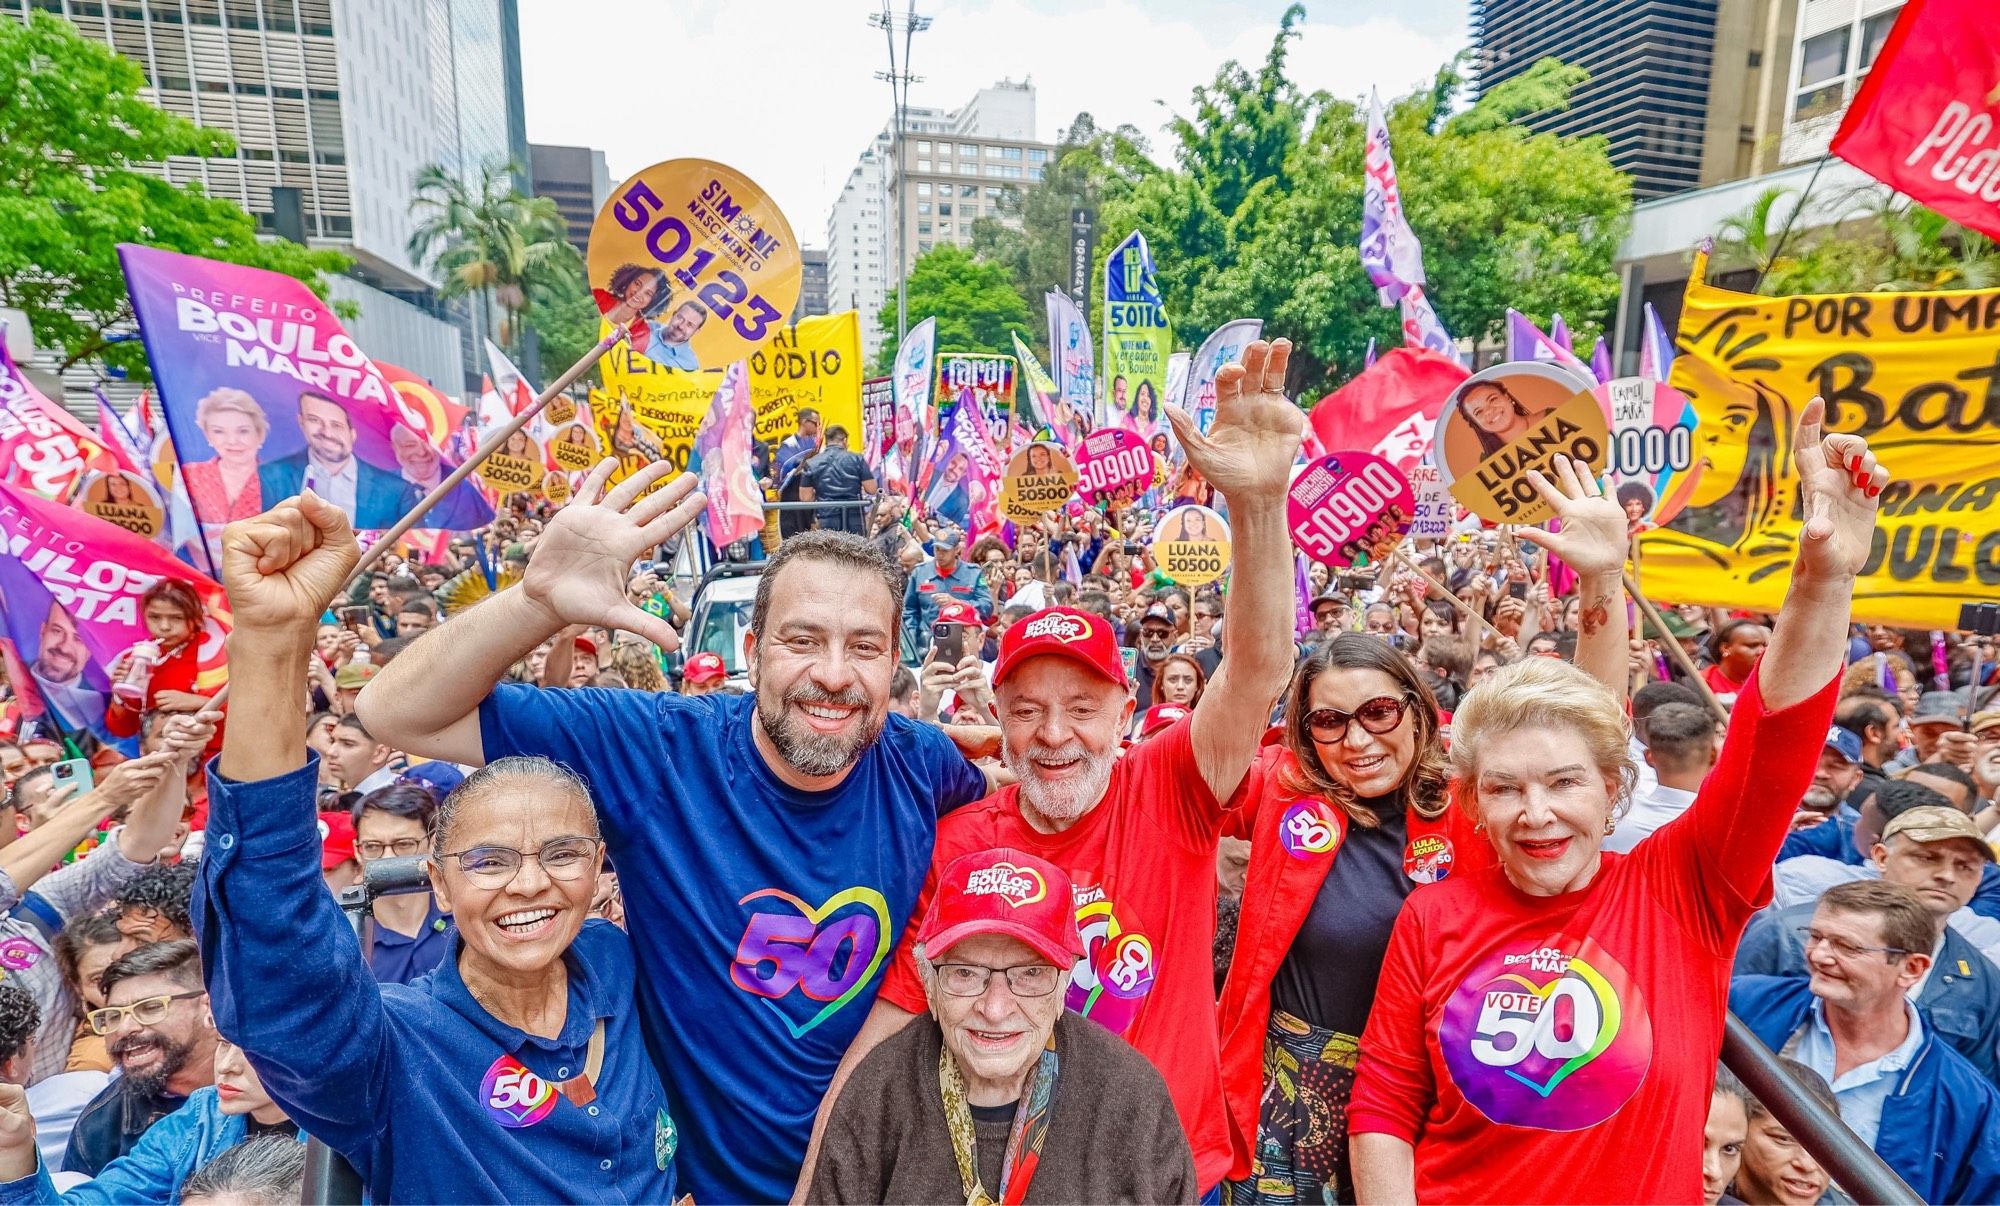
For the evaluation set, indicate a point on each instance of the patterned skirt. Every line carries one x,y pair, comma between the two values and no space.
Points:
1301,1154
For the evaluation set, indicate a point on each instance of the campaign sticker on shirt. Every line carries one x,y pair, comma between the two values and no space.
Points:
515,1097
1545,1037
1350,506
1427,859
1309,829
1125,966
1116,464
1119,964
666,1139
19,954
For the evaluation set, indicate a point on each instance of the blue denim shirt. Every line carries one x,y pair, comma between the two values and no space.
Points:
167,1155
429,1096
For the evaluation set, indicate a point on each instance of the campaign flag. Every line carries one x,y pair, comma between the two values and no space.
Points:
266,394
1421,326
118,442
1559,334
1224,345
1075,369
1390,253
960,479
1038,399
428,410
1368,357
1926,119
1391,407
878,419
1600,361
1525,341
1137,339
72,584
42,449
721,456
916,364
1897,368
1656,348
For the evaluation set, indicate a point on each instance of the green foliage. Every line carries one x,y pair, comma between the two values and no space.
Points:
76,134
561,312
973,301
488,241
1260,214
1886,242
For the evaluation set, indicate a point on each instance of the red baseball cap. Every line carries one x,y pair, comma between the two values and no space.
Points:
336,839
705,668
1066,632
1007,892
1159,716
956,611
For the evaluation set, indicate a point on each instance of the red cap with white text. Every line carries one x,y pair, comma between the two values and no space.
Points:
1063,632
1005,892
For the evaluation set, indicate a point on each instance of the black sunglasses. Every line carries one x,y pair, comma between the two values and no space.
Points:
1378,715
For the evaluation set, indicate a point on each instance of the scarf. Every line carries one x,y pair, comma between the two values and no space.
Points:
1025,1138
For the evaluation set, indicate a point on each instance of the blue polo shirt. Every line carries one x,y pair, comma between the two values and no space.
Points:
429,1096
401,958
763,917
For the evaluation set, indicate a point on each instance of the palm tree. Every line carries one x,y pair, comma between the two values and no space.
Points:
487,240
1746,240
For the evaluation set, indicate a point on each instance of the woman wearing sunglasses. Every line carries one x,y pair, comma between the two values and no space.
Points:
515,1071
1542,1031
1347,815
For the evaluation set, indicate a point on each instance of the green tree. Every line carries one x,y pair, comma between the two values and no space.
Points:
488,242
76,135
1884,241
560,311
973,301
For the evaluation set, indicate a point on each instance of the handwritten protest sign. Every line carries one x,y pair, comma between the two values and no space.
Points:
1040,478
1191,545
1349,507
698,260
1916,373
1510,418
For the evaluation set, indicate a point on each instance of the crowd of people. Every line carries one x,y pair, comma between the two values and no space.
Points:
1013,870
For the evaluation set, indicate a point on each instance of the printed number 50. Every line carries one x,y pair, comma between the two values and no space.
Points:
801,955
516,1090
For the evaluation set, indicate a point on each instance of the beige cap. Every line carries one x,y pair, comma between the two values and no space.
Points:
1989,719
1933,823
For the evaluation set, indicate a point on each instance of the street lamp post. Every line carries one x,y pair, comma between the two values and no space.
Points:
909,24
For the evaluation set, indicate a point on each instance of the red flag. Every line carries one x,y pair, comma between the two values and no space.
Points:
1926,121
1391,408
423,406
42,449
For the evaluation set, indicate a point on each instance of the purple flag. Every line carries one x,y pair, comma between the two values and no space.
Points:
1656,348
1525,341
1600,361
1390,252
1559,334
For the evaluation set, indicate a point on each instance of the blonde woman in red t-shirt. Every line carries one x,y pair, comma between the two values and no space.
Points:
1347,815
1545,1030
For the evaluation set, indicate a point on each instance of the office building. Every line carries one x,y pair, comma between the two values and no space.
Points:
1684,91
956,166
812,284
1829,45
335,105
576,179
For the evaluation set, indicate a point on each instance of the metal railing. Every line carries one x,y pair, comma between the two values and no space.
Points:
1852,1164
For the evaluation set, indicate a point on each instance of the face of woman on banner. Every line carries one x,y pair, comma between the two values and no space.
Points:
517,445
1490,408
1194,526
232,434
1039,461
117,491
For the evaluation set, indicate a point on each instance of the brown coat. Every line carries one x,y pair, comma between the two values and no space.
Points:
1113,1134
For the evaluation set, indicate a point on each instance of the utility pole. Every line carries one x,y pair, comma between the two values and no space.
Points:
909,24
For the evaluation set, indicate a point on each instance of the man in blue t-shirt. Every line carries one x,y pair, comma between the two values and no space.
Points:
770,847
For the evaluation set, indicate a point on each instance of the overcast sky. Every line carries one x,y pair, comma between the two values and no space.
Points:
785,90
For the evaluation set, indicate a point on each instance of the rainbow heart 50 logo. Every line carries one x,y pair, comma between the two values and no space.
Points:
829,952
1548,1038
1309,828
515,1096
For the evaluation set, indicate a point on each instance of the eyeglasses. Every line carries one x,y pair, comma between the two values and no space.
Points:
149,1012
496,866
971,979
1843,949
401,847
1378,715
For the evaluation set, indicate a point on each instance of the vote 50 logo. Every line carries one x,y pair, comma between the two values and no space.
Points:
514,1096
806,962
1546,1037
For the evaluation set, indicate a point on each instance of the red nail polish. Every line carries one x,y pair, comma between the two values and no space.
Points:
1874,490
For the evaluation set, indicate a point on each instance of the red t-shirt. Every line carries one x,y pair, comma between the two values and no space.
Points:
1719,682
1562,1049
1142,866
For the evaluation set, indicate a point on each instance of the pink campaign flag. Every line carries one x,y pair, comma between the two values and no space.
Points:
1656,348
721,457
1559,334
1422,327
42,449
117,441
1390,253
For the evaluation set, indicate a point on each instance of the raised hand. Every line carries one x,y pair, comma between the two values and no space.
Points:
17,1134
581,563
1840,483
135,778
1249,449
1593,538
284,567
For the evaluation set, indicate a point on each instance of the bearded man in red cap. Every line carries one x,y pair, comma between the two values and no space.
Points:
1137,836
1001,1090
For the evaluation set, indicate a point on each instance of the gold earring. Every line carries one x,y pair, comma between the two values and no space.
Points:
1610,824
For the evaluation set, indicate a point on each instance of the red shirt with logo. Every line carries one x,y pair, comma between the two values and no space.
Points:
1142,864
1562,1049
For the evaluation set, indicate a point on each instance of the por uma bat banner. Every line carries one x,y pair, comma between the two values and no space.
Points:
1918,374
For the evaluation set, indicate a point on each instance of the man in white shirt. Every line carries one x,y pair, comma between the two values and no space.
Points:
1680,747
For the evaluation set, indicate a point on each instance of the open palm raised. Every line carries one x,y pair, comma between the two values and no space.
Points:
583,557
1250,447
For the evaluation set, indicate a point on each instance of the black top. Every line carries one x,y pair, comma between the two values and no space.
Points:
1328,977
111,1124
992,1126
836,475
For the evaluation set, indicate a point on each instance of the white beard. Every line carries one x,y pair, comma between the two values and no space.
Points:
1070,799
